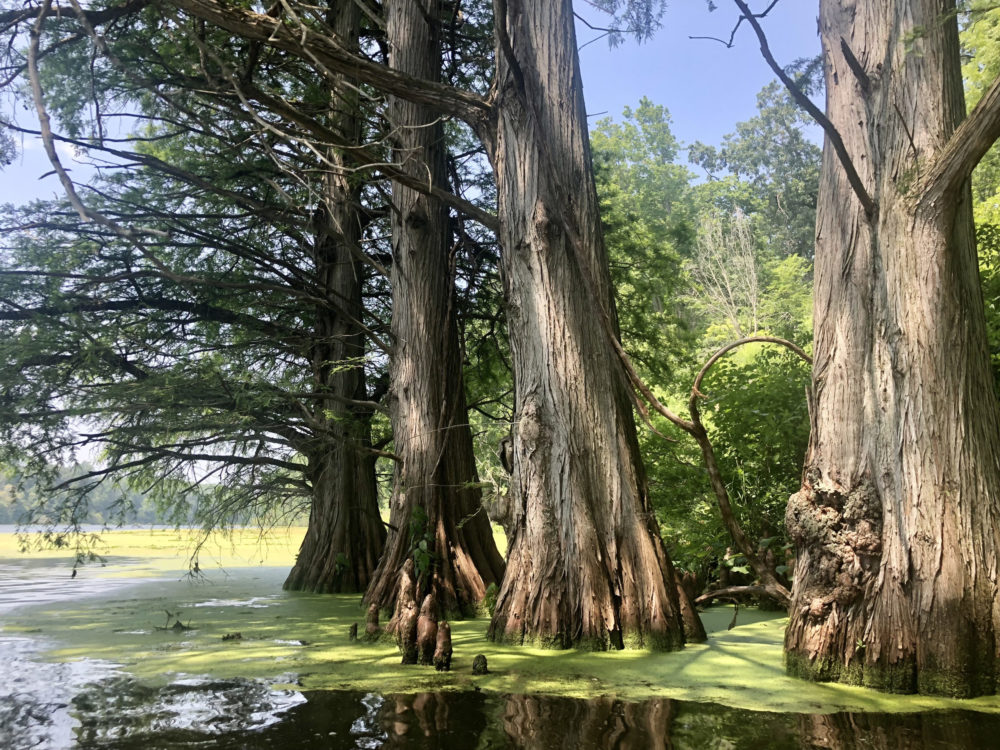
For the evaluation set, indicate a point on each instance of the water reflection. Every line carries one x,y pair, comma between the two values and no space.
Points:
522,722
98,707
536,722
933,730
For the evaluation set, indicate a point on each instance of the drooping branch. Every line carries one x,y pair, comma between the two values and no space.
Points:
311,46
803,101
767,576
964,150
96,17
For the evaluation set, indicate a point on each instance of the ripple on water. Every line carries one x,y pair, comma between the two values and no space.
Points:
189,708
90,702
255,602
36,697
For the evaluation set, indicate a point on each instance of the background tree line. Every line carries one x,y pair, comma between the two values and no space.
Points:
343,242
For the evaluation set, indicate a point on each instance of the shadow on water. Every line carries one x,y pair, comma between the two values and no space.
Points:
116,712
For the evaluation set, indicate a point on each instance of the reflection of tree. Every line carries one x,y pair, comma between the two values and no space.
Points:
435,721
544,722
933,730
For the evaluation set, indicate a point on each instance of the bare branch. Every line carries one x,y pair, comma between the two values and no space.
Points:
734,591
732,34
831,132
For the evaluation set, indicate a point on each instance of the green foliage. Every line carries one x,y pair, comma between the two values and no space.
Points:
648,215
759,423
421,541
657,223
24,500
638,19
490,599
769,168
988,241
786,308
8,149
196,361
981,46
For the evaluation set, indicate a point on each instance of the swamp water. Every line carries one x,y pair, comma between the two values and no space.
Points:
98,661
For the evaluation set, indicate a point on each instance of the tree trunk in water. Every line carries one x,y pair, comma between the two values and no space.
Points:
345,537
897,731
897,522
437,513
586,565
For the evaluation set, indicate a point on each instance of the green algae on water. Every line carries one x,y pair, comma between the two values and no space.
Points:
304,639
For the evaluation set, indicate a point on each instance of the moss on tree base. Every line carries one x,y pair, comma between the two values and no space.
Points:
629,641
305,637
903,678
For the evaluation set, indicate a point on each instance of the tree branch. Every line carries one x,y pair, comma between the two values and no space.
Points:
362,158
201,311
964,150
95,17
309,45
803,101
734,591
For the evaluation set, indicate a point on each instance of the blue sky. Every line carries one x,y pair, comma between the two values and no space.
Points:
707,87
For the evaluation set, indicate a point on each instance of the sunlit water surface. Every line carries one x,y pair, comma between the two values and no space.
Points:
92,703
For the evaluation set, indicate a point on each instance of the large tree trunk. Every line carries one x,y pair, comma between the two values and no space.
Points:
586,565
437,515
345,537
897,520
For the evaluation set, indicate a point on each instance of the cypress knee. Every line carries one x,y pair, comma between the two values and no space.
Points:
405,626
427,630
372,630
442,652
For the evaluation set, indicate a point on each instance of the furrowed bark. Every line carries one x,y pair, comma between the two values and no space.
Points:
586,565
345,537
898,519
437,509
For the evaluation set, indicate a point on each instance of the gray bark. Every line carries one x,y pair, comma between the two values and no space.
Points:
586,565
897,521
437,509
